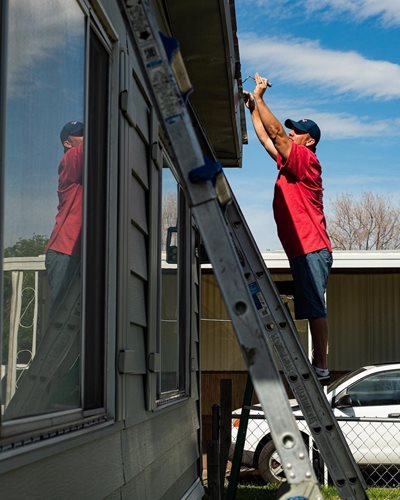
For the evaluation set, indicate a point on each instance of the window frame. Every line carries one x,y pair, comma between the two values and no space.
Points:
3,96
102,39
379,376
157,400
51,425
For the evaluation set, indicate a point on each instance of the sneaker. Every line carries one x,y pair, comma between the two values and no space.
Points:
321,373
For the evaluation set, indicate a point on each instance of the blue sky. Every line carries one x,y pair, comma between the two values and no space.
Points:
338,63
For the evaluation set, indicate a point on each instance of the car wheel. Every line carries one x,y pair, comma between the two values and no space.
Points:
269,464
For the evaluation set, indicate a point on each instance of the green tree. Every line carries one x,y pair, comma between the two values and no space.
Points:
27,247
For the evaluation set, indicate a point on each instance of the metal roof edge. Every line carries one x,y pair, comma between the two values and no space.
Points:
343,259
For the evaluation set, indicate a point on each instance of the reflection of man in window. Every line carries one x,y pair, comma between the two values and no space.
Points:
63,249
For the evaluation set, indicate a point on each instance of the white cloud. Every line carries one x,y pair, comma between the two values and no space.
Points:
344,126
340,126
306,62
334,126
281,9
386,11
38,31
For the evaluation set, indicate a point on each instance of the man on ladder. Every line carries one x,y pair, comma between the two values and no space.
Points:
298,212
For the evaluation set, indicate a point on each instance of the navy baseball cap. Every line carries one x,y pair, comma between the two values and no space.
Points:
71,128
305,125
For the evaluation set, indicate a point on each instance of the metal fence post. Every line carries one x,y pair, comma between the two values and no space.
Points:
241,437
225,427
213,457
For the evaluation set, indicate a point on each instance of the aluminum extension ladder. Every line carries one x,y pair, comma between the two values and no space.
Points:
263,326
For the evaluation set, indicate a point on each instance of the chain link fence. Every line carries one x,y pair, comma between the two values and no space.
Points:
374,443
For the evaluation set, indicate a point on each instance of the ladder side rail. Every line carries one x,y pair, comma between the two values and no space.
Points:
282,335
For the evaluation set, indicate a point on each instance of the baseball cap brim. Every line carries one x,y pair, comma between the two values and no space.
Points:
292,125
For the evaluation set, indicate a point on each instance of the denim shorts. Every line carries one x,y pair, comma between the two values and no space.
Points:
61,268
310,275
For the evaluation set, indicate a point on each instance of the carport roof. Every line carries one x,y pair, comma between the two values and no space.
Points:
344,260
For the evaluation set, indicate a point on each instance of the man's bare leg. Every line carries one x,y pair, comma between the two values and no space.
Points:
319,335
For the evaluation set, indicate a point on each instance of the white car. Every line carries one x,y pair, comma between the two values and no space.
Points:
367,405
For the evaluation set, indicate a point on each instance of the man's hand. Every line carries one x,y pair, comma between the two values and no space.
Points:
249,101
261,86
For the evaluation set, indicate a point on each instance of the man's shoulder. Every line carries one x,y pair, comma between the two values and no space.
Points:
307,155
302,162
305,151
73,154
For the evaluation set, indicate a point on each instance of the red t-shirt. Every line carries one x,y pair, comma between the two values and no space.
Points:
298,206
66,235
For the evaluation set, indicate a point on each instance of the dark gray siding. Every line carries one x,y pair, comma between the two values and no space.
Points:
146,454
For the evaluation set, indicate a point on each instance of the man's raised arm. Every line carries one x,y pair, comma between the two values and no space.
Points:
270,123
258,126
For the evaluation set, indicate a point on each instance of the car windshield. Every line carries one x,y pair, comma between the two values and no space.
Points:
342,379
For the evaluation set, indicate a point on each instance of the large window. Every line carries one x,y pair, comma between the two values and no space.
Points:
175,291
55,211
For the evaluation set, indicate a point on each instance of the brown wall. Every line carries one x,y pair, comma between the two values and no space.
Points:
210,395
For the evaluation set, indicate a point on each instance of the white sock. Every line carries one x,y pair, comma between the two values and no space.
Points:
322,372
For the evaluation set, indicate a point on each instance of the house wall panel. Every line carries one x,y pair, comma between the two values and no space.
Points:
142,110
137,256
364,319
212,307
99,473
219,346
159,436
137,202
185,483
138,156
220,349
160,476
363,315
137,300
